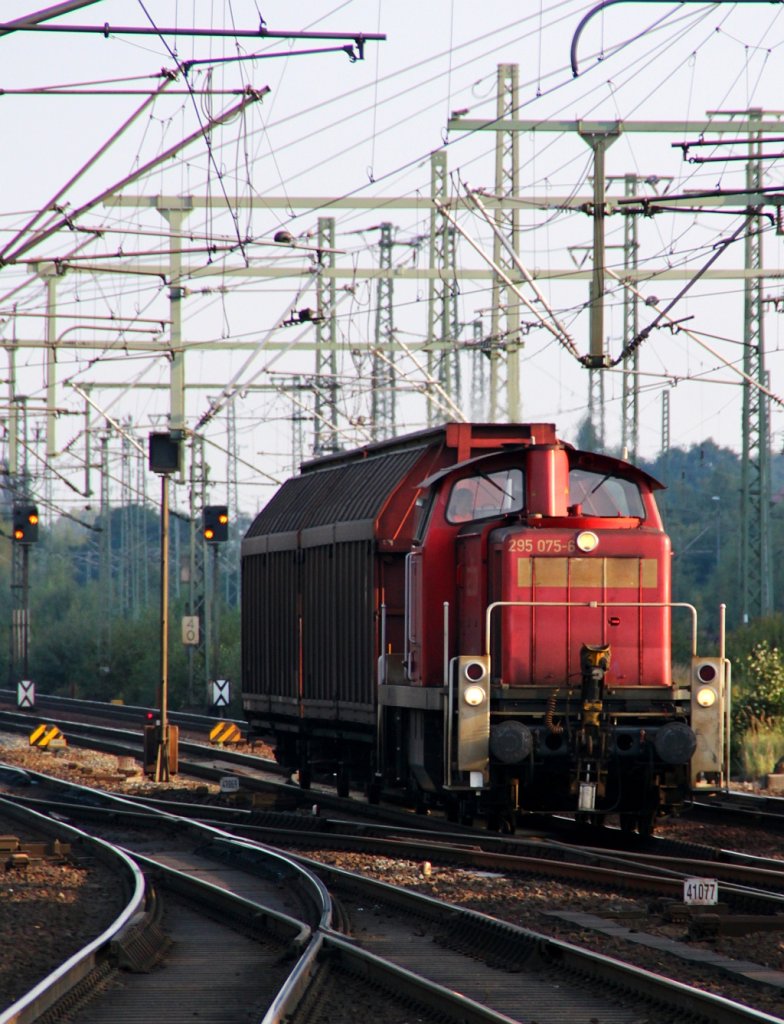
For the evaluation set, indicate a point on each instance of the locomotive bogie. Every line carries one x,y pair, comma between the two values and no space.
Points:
477,617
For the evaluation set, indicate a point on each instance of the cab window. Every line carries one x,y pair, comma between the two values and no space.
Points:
485,496
601,494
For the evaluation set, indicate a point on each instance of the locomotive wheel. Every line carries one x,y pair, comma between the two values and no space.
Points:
642,823
594,819
646,823
304,772
628,822
342,780
502,822
373,790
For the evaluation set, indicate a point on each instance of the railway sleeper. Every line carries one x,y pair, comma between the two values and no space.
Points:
13,847
142,944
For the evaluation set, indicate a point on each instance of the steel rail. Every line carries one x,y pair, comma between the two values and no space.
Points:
490,933
309,943
77,967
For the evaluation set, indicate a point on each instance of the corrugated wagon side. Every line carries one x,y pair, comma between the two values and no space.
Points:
317,564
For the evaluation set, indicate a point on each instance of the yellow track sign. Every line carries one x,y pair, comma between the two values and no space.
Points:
225,732
47,737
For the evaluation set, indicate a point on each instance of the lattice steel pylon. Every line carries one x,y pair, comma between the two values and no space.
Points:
755,561
630,395
382,399
232,452
664,454
144,561
442,354
480,376
665,425
505,312
127,568
196,576
105,580
596,416
19,479
326,385
300,416
230,577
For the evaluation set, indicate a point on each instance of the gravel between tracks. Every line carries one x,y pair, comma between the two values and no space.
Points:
49,910
523,901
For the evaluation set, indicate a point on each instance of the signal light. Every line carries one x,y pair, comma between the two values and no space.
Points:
707,672
164,454
25,524
215,523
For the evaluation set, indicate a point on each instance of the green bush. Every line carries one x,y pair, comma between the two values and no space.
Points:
760,691
758,711
760,748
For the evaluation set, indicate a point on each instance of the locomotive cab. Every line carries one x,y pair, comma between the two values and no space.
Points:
556,640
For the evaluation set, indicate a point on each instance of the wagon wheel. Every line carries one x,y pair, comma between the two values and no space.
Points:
304,769
646,823
343,779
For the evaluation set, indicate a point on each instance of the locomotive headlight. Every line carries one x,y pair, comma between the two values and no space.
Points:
474,696
706,696
587,541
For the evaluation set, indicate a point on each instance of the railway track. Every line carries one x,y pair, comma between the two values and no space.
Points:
261,774
746,808
752,808
258,776
70,707
236,964
383,916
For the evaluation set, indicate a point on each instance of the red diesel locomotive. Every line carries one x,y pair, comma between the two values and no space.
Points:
478,615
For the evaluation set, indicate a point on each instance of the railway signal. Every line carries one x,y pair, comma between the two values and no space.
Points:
25,524
215,524
24,533
165,452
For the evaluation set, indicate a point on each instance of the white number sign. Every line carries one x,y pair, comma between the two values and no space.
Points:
701,892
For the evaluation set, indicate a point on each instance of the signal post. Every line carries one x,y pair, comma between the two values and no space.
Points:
164,459
24,533
215,531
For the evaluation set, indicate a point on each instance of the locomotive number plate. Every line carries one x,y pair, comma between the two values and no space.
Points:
542,545
701,892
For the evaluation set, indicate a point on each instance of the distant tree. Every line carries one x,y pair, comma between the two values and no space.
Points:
587,437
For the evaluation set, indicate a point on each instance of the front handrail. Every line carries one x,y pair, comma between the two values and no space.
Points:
592,604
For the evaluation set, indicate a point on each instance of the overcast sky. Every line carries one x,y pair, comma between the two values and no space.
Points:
332,127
